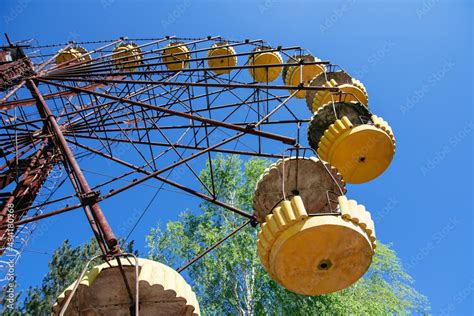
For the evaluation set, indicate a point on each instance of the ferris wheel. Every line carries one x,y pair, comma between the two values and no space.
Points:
174,103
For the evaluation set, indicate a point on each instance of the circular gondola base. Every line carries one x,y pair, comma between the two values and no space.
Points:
265,74
362,153
320,255
127,57
181,56
222,50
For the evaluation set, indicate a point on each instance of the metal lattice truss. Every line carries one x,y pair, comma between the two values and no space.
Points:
141,120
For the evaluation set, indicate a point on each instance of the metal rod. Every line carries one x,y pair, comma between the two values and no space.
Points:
284,139
156,176
76,286
44,215
192,84
124,59
208,249
100,65
99,217
160,71
65,63
24,185
162,144
129,290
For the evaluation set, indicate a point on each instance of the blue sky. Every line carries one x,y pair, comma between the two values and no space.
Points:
414,57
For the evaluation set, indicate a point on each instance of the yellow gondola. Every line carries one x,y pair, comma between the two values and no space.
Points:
176,56
127,56
297,74
102,291
310,177
264,57
72,55
314,255
221,49
352,90
361,152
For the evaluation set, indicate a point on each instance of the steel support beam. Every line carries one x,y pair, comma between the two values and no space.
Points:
156,175
284,139
87,196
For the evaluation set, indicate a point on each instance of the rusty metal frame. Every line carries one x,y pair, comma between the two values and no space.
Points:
99,114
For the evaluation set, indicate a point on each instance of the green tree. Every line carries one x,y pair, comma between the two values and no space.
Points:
230,280
65,267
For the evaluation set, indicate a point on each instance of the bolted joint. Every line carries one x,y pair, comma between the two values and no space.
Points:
254,222
89,197
250,127
115,250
